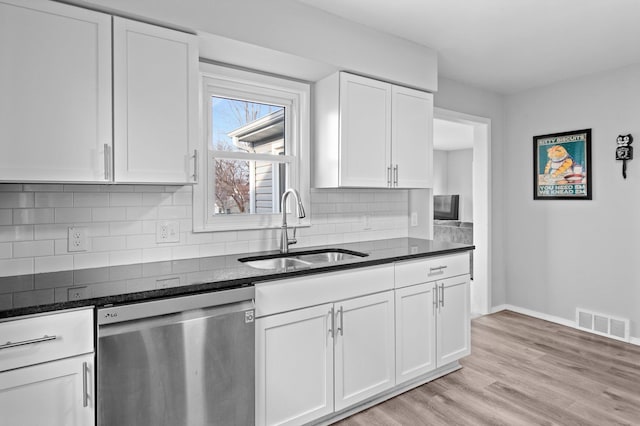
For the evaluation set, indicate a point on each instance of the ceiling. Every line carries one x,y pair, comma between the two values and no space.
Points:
508,46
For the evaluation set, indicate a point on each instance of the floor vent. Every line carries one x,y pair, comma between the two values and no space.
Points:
604,325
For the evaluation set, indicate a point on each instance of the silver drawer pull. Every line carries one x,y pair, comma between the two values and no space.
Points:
437,270
44,338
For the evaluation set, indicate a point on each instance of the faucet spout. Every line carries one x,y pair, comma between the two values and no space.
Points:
284,240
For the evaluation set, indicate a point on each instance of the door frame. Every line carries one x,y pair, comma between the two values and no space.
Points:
481,176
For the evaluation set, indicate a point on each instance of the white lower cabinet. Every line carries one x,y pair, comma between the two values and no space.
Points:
58,393
298,381
433,325
47,370
294,357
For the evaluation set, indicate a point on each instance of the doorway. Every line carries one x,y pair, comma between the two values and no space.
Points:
476,132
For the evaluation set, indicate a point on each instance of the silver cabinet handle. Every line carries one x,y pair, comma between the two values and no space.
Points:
85,395
107,161
341,327
435,299
195,165
442,295
331,327
437,270
389,176
395,175
44,338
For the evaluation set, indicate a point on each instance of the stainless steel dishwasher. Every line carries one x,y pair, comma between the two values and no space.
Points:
179,361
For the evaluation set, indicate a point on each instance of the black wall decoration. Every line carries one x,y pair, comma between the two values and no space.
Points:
624,151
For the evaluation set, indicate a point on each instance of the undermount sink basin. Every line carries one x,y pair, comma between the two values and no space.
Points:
301,259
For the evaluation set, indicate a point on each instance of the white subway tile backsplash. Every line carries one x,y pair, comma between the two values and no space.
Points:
53,199
11,187
53,263
72,215
33,248
121,223
16,266
90,260
6,217
125,228
125,199
32,216
17,200
6,251
108,214
108,243
16,233
91,199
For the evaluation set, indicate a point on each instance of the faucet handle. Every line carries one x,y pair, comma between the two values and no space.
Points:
293,240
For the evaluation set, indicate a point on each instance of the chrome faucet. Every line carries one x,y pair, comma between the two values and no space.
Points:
285,242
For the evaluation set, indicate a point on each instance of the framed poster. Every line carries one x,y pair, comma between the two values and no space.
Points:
562,166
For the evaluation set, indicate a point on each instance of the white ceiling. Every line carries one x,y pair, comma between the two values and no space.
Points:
508,45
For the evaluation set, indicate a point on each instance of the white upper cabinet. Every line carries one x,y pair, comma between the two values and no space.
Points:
412,136
372,134
365,131
57,81
55,92
155,97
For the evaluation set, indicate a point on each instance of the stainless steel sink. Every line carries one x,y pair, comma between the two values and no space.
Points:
277,263
301,259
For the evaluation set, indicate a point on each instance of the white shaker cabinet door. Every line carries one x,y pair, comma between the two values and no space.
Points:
57,393
365,132
294,366
155,103
412,136
364,348
454,322
55,86
415,331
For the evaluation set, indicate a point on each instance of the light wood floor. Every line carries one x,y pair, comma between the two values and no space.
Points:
524,371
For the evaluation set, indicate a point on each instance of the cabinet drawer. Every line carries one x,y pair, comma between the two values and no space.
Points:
430,269
42,338
273,297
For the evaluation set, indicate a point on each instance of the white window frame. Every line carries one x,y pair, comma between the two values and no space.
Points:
294,96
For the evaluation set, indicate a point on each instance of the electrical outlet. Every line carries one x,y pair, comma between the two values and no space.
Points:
414,219
77,240
77,293
168,232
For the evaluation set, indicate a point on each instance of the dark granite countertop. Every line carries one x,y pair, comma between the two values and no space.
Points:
36,293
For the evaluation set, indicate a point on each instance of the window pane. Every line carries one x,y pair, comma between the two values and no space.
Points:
248,187
246,126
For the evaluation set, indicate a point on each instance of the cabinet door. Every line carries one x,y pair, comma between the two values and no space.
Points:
364,348
412,138
294,366
55,85
415,331
58,393
155,97
454,321
365,132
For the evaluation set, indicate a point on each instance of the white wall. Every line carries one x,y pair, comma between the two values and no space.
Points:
566,254
462,98
294,28
453,175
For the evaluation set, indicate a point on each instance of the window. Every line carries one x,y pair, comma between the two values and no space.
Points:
256,145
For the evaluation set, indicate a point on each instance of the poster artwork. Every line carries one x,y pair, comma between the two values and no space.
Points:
562,165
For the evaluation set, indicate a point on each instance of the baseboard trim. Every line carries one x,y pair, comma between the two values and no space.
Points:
547,317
